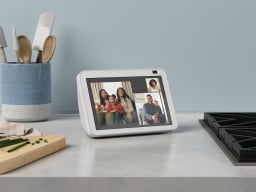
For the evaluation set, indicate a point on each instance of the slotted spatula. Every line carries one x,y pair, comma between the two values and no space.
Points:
43,30
2,44
25,48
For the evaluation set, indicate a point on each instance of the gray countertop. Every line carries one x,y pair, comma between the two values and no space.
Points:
188,152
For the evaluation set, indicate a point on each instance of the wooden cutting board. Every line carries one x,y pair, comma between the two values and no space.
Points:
29,153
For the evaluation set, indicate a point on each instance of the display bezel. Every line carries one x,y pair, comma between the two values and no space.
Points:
88,112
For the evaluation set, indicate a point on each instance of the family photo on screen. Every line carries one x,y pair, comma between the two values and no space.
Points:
116,105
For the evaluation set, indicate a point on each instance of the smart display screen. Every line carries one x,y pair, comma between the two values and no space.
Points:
127,102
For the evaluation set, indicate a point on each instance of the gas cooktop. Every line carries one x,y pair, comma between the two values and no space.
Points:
236,132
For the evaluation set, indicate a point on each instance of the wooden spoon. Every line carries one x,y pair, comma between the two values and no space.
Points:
48,49
25,48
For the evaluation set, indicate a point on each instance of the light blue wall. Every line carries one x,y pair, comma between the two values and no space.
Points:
208,48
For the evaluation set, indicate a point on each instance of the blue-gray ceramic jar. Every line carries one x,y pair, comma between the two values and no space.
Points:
26,91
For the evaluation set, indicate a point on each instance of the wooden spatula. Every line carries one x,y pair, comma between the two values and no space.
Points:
48,48
25,48
2,44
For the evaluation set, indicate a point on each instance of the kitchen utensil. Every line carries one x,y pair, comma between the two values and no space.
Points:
2,44
48,49
25,49
43,146
43,30
15,44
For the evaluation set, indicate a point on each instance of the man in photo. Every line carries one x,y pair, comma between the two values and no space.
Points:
152,111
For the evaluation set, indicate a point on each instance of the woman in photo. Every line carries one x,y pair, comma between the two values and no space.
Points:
153,87
104,117
126,102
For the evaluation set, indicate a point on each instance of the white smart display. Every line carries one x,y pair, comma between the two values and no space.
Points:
125,102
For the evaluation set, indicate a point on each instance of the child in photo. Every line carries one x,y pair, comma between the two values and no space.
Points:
115,108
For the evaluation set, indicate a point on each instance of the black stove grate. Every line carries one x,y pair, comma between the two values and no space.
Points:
237,131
